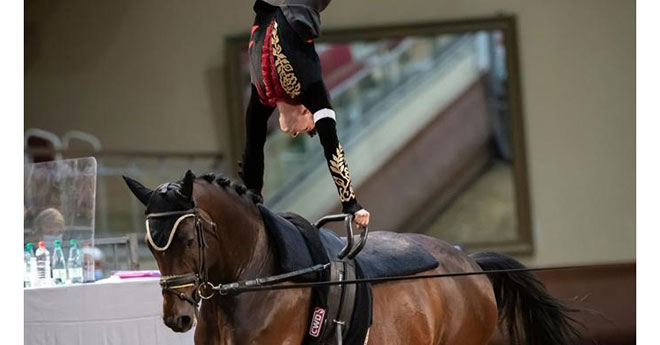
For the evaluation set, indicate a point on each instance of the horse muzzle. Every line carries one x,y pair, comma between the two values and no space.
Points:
180,323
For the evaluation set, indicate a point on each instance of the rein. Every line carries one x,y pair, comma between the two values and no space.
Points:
261,284
199,280
206,290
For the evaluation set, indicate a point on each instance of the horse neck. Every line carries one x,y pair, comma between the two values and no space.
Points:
240,250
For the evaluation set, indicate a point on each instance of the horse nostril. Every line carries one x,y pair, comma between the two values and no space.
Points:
184,321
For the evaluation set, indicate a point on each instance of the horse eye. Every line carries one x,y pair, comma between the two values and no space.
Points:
190,242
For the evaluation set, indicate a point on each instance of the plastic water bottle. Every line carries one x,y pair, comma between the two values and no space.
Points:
43,265
88,264
74,263
27,267
34,281
59,264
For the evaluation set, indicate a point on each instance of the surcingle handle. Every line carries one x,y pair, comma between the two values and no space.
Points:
358,247
349,250
331,218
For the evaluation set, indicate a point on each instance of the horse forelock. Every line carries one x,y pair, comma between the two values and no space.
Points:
167,197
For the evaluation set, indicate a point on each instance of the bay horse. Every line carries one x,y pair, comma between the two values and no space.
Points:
212,224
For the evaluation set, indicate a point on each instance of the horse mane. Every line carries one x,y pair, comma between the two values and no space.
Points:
226,183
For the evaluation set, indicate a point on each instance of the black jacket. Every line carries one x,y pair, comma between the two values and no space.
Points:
303,15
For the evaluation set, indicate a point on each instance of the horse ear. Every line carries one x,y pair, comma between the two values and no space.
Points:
141,192
187,185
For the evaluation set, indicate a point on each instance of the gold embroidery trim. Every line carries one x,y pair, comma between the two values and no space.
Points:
341,175
288,79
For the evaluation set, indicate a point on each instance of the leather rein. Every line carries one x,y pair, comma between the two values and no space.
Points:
202,288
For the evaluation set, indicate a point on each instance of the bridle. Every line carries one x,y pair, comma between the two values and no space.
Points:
202,288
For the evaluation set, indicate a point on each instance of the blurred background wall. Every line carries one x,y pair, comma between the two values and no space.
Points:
148,75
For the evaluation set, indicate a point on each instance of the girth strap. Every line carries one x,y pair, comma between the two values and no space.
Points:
341,301
348,298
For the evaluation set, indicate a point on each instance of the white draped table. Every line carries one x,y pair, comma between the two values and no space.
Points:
108,312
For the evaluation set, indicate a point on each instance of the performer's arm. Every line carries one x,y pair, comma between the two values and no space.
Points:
256,120
334,155
316,99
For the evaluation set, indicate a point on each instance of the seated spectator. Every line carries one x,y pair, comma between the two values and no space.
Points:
49,226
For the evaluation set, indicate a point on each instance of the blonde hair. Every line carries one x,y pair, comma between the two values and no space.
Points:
48,218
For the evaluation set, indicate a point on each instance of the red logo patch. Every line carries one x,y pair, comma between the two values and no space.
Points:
317,322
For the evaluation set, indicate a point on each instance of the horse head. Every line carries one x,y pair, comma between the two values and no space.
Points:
184,222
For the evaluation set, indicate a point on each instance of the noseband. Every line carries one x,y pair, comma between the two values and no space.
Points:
199,280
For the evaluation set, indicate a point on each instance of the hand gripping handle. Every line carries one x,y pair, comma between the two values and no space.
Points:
350,249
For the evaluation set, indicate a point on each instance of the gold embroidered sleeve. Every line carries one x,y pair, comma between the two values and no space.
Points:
341,176
336,159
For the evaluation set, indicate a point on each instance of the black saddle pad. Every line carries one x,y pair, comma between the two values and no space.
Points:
290,244
386,254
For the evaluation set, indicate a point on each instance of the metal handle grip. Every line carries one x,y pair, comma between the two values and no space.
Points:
349,237
331,218
350,249
358,247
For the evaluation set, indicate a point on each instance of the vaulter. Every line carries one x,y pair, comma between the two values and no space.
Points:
285,73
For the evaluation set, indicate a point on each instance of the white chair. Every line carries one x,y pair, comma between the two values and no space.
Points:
85,137
49,137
